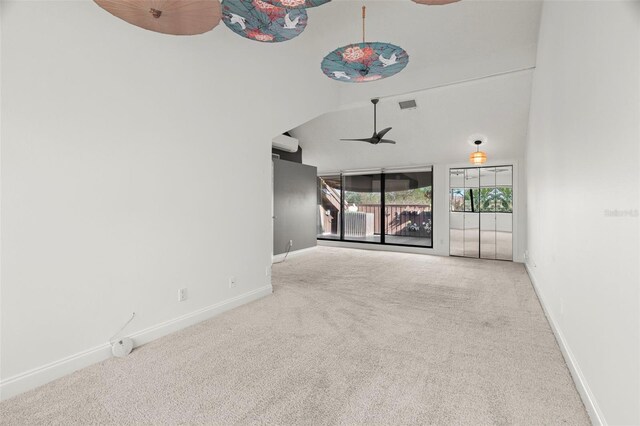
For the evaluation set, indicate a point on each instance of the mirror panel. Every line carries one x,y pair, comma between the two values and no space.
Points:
504,176
504,236
472,235
488,235
456,178
487,177
472,178
456,234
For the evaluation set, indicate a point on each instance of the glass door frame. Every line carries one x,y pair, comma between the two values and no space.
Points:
342,179
382,219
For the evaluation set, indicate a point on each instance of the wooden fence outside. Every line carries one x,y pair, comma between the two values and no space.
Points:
400,217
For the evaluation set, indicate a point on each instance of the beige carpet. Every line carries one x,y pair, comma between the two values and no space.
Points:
348,337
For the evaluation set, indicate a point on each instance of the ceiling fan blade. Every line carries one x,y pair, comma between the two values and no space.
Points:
381,133
359,140
387,141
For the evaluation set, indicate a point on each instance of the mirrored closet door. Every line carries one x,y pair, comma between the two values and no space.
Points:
481,212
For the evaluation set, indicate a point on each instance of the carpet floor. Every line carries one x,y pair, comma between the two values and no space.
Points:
348,337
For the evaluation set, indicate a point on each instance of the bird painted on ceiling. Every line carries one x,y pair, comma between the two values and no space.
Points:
290,24
237,19
341,74
388,62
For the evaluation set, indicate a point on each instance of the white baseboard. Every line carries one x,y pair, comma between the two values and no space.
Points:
381,247
280,257
588,399
41,375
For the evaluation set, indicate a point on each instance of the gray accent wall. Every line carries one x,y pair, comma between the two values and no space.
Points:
294,206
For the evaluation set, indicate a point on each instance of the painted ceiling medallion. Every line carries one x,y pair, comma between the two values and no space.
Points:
364,62
297,4
261,21
435,2
177,17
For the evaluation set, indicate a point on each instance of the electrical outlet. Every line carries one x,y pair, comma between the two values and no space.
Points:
232,282
182,295
290,243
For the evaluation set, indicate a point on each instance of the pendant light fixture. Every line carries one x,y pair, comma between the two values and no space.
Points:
479,157
366,61
261,21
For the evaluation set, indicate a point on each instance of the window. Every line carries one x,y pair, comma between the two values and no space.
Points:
408,201
362,208
393,208
329,199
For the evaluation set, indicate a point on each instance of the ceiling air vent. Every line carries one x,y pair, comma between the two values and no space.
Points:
408,104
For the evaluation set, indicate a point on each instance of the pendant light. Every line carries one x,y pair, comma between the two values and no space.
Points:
479,157
366,61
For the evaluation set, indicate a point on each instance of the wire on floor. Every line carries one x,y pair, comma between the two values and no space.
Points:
285,256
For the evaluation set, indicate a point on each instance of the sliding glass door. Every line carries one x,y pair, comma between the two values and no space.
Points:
393,208
362,206
408,208
329,200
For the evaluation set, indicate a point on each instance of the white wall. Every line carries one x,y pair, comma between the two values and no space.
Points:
582,162
133,164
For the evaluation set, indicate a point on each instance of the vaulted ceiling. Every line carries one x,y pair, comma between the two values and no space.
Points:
452,49
467,39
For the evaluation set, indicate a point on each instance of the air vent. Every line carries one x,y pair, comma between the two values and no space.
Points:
408,104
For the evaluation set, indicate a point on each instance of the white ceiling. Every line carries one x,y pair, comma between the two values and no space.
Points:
447,44
437,132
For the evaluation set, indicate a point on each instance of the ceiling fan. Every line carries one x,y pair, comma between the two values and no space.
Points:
378,137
